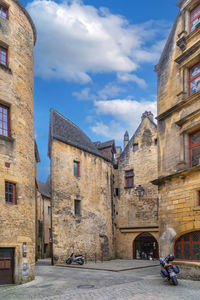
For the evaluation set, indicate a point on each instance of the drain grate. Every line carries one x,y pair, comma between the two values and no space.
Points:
85,286
45,285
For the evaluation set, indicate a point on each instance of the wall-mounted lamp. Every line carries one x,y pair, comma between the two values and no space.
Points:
139,190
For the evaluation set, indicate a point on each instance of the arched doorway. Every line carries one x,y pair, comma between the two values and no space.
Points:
145,246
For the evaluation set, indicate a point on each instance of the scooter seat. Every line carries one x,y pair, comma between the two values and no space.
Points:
78,255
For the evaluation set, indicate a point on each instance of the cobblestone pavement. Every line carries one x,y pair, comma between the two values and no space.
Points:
86,284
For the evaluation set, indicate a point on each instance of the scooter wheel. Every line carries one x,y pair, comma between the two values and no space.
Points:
80,262
68,261
174,280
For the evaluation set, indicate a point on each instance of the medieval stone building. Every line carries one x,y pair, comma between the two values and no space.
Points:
17,156
81,190
179,136
136,199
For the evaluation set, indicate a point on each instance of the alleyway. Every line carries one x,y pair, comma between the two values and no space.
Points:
90,284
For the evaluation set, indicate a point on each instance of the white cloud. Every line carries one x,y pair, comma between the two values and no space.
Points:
127,111
77,40
126,77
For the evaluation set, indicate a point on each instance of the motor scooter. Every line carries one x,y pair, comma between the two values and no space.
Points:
169,270
79,259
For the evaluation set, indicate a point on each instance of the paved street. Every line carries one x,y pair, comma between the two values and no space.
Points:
90,284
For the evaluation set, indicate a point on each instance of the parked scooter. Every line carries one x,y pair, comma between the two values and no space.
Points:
168,270
79,259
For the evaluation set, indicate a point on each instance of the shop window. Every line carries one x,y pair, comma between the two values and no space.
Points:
187,247
129,179
76,168
77,207
4,120
194,78
3,56
3,11
194,149
10,193
194,17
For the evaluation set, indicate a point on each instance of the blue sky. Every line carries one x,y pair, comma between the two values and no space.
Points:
94,63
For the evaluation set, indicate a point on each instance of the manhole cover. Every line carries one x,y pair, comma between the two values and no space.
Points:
85,286
45,285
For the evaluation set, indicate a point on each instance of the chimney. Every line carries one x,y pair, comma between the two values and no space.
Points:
126,139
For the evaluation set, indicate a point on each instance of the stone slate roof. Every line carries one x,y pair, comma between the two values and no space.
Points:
104,145
44,189
67,132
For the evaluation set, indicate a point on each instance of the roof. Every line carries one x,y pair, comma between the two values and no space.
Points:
104,145
67,132
44,189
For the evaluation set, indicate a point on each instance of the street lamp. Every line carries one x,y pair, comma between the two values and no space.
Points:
139,191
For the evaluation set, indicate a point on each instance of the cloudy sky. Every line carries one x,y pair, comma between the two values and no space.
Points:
94,63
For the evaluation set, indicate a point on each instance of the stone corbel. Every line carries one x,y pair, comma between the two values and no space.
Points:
181,165
181,43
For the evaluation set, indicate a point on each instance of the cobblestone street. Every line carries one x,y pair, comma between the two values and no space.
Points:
85,284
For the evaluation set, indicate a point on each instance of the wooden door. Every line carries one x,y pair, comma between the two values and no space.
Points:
6,265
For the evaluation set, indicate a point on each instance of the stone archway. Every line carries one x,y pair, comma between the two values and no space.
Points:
145,246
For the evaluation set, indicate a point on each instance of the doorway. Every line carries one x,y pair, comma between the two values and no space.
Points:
6,265
145,246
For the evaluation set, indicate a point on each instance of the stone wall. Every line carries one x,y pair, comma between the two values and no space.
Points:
90,233
131,211
178,117
17,159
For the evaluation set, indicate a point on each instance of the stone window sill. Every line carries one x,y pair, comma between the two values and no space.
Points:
6,138
5,68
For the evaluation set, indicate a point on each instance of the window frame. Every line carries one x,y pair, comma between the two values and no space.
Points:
191,79
79,208
8,119
129,178
6,50
14,198
181,242
6,8
193,19
192,146
78,168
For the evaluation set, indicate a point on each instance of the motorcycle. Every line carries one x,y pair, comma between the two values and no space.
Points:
169,270
79,259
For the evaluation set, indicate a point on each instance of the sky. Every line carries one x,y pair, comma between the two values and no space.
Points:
94,63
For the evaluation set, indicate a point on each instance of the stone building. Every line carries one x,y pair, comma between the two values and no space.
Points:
43,219
179,136
17,157
81,187
136,198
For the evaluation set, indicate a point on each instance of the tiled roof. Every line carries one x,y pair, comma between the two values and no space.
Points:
64,130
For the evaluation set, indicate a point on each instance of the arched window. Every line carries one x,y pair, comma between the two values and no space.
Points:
187,247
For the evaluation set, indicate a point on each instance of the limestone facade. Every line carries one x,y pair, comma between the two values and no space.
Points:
81,187
179,136
137,216
17,157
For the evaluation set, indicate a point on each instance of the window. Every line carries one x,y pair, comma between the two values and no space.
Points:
76,169
129,179
194,17
194,148
3,56
10,193
50,234
4,120
77,207
49,210
3,11
194,78
187,247
117,192
135,147
156,142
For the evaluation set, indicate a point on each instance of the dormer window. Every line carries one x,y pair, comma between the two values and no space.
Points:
194,79
194,17
3,11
